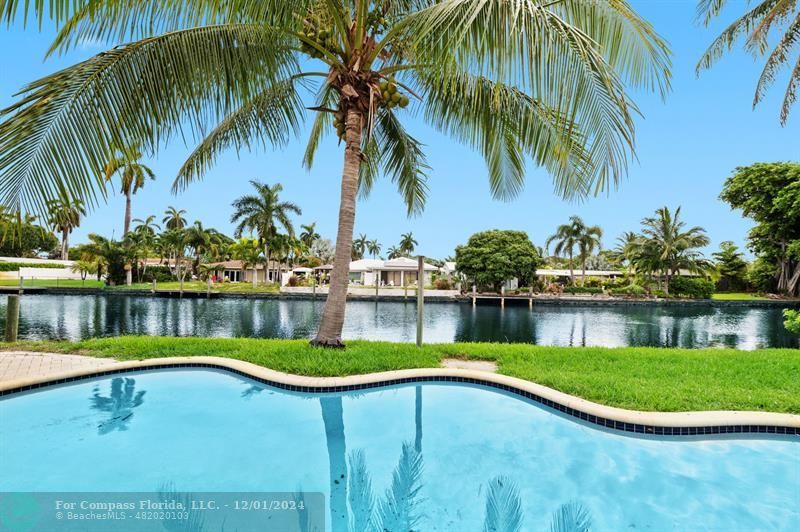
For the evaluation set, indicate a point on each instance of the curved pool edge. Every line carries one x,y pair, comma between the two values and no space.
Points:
657,423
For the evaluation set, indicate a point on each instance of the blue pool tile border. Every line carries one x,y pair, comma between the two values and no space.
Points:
657,430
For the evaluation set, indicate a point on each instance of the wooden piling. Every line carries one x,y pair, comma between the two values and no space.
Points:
12,318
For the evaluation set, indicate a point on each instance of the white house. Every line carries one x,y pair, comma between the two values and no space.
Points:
402,272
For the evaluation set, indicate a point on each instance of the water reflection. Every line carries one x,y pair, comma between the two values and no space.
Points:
78,317
118,406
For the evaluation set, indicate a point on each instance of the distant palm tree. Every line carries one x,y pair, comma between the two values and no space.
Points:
588,241
132,176
359,247
667,246
147,225
407,244
65,216
566,238
248,251
174,218
309,234
755,28
624,253
394,252
263,212
374,248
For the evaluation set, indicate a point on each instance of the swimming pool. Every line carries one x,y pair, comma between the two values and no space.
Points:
207,430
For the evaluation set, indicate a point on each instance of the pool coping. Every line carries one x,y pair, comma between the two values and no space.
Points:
657,423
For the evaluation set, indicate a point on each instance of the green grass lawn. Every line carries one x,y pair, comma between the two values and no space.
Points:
654,379
737,296
200,286
55,283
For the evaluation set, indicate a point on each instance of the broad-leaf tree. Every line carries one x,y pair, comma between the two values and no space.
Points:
490,258
756,31
769,193
517,80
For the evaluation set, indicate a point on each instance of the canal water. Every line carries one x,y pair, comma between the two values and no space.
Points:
85,316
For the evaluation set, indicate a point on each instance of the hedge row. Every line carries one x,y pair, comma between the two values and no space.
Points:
15,266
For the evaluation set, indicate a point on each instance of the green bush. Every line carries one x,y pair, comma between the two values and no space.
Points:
792,320
763,275
15,266
630,290
583,290
161,274
594,282
693,287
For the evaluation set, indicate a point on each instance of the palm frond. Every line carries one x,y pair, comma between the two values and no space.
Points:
742,26
322,123
397,510
57,137
402,157
272,116
503,506
777,59
571,517
504,123
361,498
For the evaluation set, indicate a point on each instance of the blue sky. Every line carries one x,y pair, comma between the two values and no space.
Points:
686,147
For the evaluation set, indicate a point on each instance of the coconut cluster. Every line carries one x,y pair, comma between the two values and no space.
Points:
339,124
376,22
323,37
391,96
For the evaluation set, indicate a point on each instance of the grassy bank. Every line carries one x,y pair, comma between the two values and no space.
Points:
654,379
737,296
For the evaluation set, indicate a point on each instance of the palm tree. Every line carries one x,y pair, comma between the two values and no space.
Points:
490,74
588,241
263,212
132,176
394,252
173,245
374,248
762,19
65,216
359,247
626,250
248,251
174,218
566,238
407,244
147,226
667,246
309,234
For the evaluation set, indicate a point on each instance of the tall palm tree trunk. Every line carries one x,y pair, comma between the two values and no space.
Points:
330,327
65,244
126,226
571,269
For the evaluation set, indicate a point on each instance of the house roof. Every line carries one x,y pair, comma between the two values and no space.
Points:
324,267
237,265
365,265
405,264
302,269
448,267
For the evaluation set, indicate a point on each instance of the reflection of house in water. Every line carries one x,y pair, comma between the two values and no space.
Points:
119,405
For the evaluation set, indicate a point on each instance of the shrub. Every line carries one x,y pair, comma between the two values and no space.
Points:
593,282
792,320
294,280
162,274
763,275
443,284
694,287
583,290
553,288
630,290
15,266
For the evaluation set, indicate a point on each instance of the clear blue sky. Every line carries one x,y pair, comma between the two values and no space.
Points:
687,146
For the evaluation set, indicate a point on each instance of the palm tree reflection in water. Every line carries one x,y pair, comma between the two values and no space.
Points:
119,405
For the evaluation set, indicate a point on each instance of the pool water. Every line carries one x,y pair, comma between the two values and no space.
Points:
206,431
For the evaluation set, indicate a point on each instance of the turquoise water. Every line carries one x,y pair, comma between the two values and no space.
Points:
84,316
212,431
